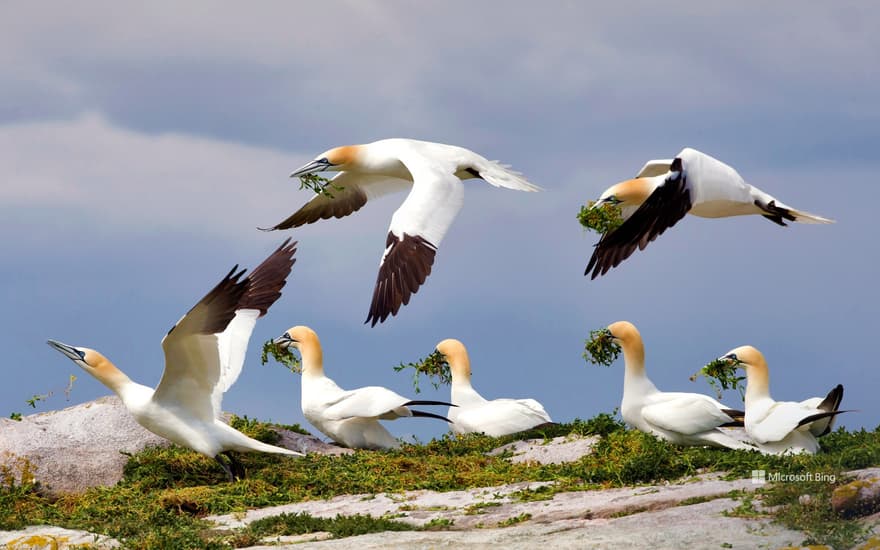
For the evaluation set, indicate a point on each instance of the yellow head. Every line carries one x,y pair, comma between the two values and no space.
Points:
457,356
626,193
92,362
305,340
750,359
334,160
625,332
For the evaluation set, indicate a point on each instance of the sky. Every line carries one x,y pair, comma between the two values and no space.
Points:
142,144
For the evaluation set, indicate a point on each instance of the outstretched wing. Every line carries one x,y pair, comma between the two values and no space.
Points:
264,288
192,357
416,230
669,203
350,191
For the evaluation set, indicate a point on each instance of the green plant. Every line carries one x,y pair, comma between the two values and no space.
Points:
722,374
282,354
602,219
434,367
600,348
318,184
525,516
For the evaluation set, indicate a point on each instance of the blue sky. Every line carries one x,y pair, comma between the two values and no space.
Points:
140,147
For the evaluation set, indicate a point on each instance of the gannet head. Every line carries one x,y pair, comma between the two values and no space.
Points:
626,193
334,160
90,360
457,356
745,357
296,337
624,332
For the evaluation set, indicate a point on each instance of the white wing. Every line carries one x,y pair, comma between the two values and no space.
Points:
780,420
654,168
416,230
686,414
368,402
232,344
192,358
502,417
351,191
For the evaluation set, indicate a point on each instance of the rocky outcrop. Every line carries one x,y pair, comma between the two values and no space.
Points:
860,497
86,445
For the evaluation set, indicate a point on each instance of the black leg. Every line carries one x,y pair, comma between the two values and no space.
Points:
237,467
225,467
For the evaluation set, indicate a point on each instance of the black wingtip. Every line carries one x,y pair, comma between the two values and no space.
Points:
424,414
425,402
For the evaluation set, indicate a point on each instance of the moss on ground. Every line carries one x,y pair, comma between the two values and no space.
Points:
166,491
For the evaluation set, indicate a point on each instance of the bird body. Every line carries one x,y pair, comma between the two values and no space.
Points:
782,427
678,417
204,354
665,190
475,414
348,417
433,172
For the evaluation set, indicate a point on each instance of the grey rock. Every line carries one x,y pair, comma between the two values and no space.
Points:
46,537
554,451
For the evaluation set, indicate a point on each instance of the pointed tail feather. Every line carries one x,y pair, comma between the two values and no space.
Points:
805,217
424,414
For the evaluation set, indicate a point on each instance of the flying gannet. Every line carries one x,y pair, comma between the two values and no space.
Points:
476,414
433,172
348,417
782,427
678,417
665,190
204,354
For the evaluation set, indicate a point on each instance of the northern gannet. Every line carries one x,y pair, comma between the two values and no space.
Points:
474,413
434,173
348,417
678,417
204,354
665,190
782,427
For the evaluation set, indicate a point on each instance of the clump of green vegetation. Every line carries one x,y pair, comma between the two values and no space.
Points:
318,184
722,374
479,508
601,349
282,355
37,397
434,367
340,526
15,416
602,219
525,516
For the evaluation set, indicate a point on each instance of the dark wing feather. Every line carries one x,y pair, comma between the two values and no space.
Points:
405,266
268,278
662,209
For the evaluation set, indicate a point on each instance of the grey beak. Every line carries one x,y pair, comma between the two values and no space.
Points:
71,352
318,165
283,341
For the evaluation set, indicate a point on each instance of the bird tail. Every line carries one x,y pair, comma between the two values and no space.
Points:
500,175
255,445
806,217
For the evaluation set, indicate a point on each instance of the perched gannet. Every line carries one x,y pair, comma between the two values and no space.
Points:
782,427
434,173
681,418
348,417
474,413
665,190
204,354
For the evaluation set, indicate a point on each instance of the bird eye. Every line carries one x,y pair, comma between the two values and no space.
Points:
731,356
82,354
323,161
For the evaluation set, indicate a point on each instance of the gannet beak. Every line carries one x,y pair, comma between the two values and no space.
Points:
317,165
598,203
608,333
733,358
283,341
71,352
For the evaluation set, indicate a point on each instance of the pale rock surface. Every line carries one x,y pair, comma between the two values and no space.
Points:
43,537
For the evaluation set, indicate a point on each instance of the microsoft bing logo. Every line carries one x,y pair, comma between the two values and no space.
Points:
759,477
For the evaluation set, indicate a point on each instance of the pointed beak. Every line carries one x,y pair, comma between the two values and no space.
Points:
283,341
317,165
69,351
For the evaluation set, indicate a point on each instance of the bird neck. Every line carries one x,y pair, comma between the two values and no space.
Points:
757,383
312,358
109,375
634,359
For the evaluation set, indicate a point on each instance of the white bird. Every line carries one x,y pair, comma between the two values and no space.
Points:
204,354
348,417
678,417
434,173
475,414
665,190
782,427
